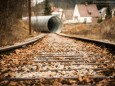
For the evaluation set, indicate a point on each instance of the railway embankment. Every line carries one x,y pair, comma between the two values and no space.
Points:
101,31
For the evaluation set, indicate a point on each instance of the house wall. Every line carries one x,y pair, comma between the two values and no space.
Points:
69,14
103,13
76,13
77,18
85,19
95,20
113,12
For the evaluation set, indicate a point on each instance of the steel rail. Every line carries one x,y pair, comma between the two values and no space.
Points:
75,69
56,70
112,45
59,60
50,78
58,56
26,42
46,60
40,61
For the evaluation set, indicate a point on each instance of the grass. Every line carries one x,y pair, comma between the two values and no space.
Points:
103,30
18,32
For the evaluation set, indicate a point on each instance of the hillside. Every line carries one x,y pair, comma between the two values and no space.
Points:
12,28
18,32
104,30
64,4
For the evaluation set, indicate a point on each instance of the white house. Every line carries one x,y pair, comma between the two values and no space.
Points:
112,8
113,12
58,12
102,13
84,13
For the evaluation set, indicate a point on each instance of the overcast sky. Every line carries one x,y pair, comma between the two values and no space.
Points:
34,2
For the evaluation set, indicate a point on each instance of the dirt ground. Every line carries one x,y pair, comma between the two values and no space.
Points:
104,30
18,32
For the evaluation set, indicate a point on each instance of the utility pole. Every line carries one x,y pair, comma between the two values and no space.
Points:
29,12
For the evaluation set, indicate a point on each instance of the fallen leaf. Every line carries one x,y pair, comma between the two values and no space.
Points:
80,78
86,79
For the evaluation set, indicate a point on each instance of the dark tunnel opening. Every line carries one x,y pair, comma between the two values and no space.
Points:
54,24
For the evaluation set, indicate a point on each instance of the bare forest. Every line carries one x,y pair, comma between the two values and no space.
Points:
12,28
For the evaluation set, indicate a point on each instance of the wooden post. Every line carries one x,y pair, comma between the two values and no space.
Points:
29,12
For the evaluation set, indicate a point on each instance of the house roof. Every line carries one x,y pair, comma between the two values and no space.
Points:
88,10
103,10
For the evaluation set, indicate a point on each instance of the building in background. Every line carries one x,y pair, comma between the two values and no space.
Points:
86,13
102,13
112,8
75,11
58,12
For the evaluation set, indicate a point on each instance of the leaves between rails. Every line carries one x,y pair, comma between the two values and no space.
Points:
23,57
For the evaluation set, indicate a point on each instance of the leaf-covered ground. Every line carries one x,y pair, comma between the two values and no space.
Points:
22,63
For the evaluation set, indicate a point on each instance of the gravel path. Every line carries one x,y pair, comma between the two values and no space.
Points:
55,56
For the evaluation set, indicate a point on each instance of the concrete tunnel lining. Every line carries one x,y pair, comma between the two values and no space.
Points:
46,23
54,24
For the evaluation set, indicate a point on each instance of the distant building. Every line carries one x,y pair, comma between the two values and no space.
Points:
58,12
75,13
113,12
103,13
112,8
85,13
67,7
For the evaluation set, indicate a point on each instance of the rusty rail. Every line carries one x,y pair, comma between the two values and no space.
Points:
26,42
49,78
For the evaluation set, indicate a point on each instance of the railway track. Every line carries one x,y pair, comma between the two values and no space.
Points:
58,61
19,45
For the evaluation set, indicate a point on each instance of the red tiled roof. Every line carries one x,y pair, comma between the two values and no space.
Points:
88,10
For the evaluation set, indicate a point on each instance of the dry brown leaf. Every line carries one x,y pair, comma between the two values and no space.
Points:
61,79
80,78
4,69
17,51
56,83
41,84
12,83
86,79
16,62
12,74
39,68
61,58
2,62
12,69
100,84
72,81
41,80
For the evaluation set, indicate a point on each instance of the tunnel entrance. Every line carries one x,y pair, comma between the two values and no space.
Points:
46,23
54,24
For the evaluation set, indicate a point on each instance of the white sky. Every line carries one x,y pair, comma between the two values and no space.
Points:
34,2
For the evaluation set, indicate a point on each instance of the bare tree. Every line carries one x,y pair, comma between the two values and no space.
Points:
47,8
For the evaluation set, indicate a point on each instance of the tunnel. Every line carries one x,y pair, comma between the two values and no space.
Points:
46,23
